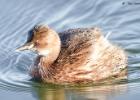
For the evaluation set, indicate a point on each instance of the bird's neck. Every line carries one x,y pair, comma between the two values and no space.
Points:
46,61
49,59
53,48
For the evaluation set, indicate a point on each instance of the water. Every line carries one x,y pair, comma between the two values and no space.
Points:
121,18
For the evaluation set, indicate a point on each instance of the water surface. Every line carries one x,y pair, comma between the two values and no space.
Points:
17,17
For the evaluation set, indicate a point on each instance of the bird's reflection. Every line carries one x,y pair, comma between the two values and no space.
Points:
80,93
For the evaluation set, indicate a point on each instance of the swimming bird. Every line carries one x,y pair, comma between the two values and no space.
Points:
81,55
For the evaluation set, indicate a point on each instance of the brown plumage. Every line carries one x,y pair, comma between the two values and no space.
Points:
80,55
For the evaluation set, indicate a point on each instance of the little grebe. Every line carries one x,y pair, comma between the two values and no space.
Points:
79,55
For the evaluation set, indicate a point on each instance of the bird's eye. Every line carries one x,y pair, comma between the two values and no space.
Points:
36,43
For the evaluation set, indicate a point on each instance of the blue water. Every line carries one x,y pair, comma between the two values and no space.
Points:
17,17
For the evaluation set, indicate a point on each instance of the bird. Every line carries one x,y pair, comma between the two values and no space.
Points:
73,56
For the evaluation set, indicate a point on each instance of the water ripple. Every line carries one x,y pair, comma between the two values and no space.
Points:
18,17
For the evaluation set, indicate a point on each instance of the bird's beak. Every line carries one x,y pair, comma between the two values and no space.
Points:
26,46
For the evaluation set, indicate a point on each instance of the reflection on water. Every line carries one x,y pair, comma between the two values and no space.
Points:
82,93
17,17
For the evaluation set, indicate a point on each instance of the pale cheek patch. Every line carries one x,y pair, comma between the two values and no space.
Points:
44,52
